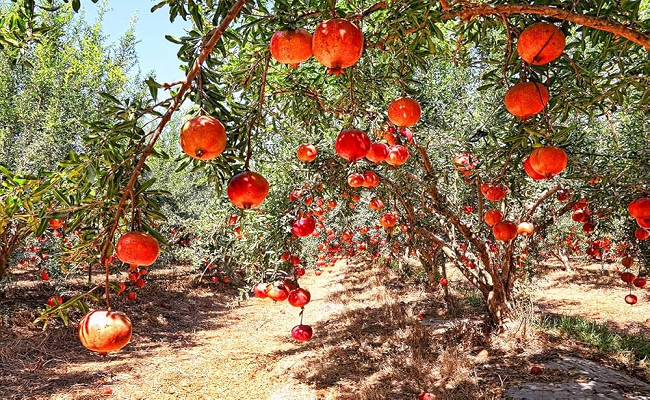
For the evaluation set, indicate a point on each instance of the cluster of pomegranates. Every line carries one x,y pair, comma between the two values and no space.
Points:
583,215
632,280
538,44
296,296
336,43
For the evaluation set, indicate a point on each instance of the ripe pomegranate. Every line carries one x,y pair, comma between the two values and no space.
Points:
303,226
465,163
299,271
427,396
526,99
540,43
370,179
587,227
247,189
137,248
548,161
44,275
641,234
492,217
494,192
388,220
640,208
352,145
397,155
404,111
104,331
640,282
504,231
375,204
139,282
203,138
302,333
535,370
356,180
355,198
306,152
444,282
531,172
378,152
468,209
631,299
299,297
643,222
291,46
525,228
627,262
337,44
579,217
627,277
131,296
277,292
56,300
56,223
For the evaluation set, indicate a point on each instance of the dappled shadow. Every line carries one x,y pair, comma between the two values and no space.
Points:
166,316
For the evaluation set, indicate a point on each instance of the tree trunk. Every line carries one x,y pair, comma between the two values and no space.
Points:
4,259
499,308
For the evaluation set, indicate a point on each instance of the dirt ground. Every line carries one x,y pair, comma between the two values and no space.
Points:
374,338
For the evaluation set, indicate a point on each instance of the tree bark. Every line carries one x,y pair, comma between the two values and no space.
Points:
4,258
498,307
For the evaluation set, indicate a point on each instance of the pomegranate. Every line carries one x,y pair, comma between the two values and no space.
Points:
356,180
131,296
352,145
291,46
303,226
306,152
535,370
643,222
375,204
526,99
548,161
627,277
587,227
444,282
299,271
494,192
302,333
465,163
525,228
277,292
299,297
630,299
54,301
203,138
540,43
492,217
137,248
56,223
531,172
104,331
640,208
370,179
337,44
627,262
504,231
579,217
404,111
640,282
378,152
247,189
641,234
397,155
388,220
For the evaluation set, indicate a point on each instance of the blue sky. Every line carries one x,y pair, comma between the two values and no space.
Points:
154,51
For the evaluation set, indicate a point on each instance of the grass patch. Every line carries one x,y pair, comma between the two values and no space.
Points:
600,336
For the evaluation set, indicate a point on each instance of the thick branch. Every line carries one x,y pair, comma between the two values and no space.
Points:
548,193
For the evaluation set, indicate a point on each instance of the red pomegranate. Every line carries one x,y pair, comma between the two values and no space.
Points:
303,226
587,227
444,282
375,204
302,333
535,370
299,297
247,189
504,231
397,155
579,217
641,234
640,282
525,228
465,163
378,152
630,299
306,152
291,46
104,331
54,301
277,292
203,138
540,43
352,144
337,44
494,192
640,208
137,248
548,161
388,220
259,290
370,179
56,223
404,111
356,180
643,222
492,217
627,277
526,99
627,262
531,172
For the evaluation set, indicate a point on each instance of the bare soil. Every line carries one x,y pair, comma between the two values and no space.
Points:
191,341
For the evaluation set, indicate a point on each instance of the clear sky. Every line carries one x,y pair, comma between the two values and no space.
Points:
154,51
